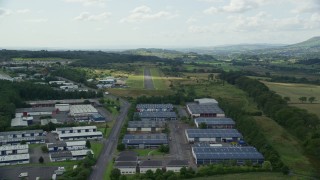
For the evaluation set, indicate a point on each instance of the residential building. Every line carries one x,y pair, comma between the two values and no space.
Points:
152,165
64,146
213,135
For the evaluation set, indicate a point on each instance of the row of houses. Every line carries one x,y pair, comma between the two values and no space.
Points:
14,154
78,133
27,136
128,163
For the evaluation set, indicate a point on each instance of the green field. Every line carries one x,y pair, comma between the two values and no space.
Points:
40,59
159,81
106,175
295,91
136,81
248,176
288,146
96,147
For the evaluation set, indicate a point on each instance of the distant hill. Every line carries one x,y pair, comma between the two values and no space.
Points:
310,43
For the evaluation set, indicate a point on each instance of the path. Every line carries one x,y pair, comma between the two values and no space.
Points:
148,83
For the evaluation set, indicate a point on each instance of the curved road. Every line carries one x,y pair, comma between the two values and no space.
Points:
148,83
110,144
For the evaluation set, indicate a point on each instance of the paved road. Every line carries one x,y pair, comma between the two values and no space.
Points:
33,172
110,144
148,83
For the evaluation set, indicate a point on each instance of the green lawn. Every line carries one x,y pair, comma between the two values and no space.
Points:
248,176
288,146
159,82
136,81
96,147
107,173
295,91
146,152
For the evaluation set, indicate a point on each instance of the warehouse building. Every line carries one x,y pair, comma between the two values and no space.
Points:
80,136
78,129
82,110
152,165
64,146
18,140
52,103
205,110
20,122
215,123
154,107
206,101
142,141
213,135
145,126
96,117
216,155
14,159
19,134
69,155
14,149
127,162
39,111
62,107
176,165
157,116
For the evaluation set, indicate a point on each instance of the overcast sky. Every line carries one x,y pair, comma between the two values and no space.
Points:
155,23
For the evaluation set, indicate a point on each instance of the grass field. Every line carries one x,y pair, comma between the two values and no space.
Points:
40,59
159,81
96,147
136,81
248,176
295,91
288,146
138,92
106,175
146,152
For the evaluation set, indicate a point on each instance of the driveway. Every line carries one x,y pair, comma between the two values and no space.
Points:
148,83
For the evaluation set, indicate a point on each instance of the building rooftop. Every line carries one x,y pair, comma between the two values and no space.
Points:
62,101
8,133
97,133
204,108
150,163
161,114
145,124
37,109
58,144
246,152
13,147
76,128
211,133
81,152
206,101
214,121
125,164
79,109
61,154
18,121
127,158
178,163
145,139
14,157
154,106
32,138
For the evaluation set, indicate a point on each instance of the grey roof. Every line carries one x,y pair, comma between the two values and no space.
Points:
37,109
7,133
161,114
145,139
62,154
145,124
225,153
204,108
16,140
177,163
151,163
154,106
213,121
58,144
125,164
211,133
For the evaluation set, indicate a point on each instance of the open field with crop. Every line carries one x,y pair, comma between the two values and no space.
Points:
288,146
295,91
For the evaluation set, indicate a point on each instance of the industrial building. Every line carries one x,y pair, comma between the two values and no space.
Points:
82,110
157,116
40,111
80,136
145,126
206,101
96,117
154,107
65,146
18,140
69,155
18,134
62,107
205,110
127,162
14,154
78,129
152,165
20,122
142,141
215,123
213,135
176,165
214,155
52,103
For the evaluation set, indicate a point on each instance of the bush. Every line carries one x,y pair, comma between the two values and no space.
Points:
121,147
44,149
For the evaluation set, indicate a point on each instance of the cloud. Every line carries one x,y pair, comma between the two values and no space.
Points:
39,20
5,12
143,13
23,11
86,16
307,6
87,2
191,20
199,29
236,6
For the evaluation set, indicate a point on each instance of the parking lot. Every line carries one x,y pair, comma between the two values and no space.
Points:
12,173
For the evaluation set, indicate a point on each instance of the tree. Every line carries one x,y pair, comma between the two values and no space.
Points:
149,174
303,99
121,147
41,160
203,125
311,99
164,148
44,149
267,165
287,99
115,174
88,144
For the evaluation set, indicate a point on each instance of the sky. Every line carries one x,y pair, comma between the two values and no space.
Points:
121,24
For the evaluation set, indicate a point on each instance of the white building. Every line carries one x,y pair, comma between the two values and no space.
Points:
64,146
82,110
20,134
14,159
145,126
28,140
13,149
176,165
126,167
206,101
80,136
69,155
62,107
78,129
213,135
150,165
